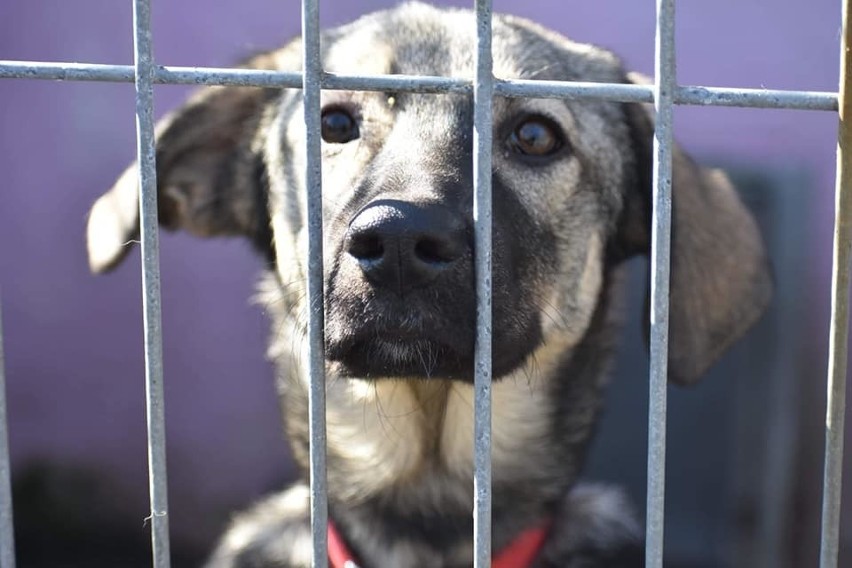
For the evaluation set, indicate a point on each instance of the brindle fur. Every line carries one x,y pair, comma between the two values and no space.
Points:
400,425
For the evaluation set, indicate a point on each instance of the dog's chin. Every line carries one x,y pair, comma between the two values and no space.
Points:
395,357
384,357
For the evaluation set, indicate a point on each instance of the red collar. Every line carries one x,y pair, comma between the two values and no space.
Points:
519,554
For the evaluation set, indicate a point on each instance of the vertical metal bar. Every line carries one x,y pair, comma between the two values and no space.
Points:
144,76
7,532
312,65
839,331
664,89
483,93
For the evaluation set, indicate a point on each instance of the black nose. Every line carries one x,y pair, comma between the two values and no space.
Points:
401,245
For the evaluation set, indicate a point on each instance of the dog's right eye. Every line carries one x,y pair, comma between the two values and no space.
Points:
338,126
536,137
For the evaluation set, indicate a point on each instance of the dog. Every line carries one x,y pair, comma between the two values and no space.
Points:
572,201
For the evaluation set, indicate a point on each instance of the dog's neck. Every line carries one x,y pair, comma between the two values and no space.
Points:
432,398
400,452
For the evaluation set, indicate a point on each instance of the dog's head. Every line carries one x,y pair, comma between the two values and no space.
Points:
571,185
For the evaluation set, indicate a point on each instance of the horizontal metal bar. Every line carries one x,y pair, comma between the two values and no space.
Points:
163,75
755,98
618,92
399,83
61,71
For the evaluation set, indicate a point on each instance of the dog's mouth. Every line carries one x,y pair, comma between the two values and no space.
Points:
384,355
400,342
377,352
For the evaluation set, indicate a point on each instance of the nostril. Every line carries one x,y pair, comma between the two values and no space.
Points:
366,246
434,251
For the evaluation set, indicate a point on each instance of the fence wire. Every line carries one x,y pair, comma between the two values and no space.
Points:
839,331
152,324
312,66
664,93
483,94
7,533
661,232
616,92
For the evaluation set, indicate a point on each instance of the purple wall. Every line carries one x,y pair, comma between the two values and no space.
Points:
73,341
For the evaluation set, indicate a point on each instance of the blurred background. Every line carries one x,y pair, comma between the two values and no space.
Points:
745,446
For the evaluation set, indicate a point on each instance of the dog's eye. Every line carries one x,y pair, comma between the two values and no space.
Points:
536,136
338,126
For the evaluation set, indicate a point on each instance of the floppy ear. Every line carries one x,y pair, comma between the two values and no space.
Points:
720,277
210,181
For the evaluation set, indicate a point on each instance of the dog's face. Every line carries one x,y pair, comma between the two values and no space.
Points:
397,171
571,190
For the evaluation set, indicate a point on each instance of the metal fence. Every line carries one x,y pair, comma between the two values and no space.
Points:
664,94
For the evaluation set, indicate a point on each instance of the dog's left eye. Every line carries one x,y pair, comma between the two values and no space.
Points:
536,136
338,126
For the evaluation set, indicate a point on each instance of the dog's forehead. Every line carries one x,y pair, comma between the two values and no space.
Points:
417,39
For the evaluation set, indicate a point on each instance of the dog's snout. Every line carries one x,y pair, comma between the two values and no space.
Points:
402,245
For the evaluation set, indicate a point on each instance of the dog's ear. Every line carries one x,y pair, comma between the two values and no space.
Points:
720,277
210,180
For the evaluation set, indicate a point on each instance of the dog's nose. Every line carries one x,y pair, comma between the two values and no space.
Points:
402,245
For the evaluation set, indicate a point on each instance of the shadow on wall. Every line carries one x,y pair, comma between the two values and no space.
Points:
732,487
77,518
80,517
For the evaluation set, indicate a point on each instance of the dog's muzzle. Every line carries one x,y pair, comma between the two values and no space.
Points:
401,303
401,299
